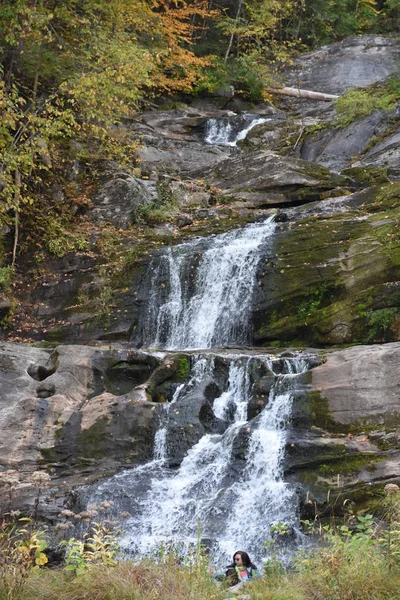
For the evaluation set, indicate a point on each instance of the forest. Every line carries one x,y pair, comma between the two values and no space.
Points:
72,70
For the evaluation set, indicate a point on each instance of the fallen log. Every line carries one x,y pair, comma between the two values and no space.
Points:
299,93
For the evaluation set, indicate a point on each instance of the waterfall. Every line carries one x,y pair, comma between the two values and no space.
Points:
220,446
231,483
228,131
206,288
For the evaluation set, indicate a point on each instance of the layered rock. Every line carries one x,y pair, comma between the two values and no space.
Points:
345,441
79,413
334,276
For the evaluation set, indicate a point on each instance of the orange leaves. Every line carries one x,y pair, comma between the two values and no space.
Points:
178,65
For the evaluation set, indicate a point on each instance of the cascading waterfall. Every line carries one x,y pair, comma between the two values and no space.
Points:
227,473
235,494
228,131
206,298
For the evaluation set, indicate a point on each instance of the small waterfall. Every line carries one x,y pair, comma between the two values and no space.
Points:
160,438
231,482
206,288
228,131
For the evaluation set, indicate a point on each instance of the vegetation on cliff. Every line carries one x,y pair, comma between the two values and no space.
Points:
72,72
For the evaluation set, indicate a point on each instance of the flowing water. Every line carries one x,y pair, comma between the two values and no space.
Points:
230,483
201,291
219,450
228,131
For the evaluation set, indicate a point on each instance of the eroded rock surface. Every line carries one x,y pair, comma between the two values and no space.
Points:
345,441
79,413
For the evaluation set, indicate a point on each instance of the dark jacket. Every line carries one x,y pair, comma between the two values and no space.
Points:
232,576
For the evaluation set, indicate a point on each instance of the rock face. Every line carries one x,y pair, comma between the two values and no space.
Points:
333,277
345,435
121,201
359,61
335,273
265,179
79,412
361,384
83,413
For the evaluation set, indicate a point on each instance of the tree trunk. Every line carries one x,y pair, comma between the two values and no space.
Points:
299,93
228,51
17,195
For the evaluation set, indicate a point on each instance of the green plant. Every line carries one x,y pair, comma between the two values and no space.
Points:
312,302
360,102
390,534
380,322
6,277
21,549
74,556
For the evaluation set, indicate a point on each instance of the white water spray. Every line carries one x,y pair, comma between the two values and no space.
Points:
235,494
229,131
207,306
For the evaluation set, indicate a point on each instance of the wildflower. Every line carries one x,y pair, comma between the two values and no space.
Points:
64,526
67,513
40,478
85,515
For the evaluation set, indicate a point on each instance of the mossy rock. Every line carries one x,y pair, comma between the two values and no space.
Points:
335,277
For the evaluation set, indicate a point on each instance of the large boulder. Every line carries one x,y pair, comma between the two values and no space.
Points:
79,413
121,200
358,61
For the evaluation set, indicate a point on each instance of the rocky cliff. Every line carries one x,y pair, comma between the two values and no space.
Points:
83,412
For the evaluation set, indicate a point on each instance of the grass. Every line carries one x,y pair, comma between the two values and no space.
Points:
335,572
127,581
356,560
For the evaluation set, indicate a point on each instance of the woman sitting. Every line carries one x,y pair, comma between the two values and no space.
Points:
241,570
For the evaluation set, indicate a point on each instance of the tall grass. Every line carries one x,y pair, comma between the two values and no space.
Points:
357,561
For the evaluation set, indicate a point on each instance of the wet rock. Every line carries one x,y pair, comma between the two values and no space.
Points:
190,418
263,178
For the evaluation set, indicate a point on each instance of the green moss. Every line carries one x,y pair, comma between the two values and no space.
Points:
333,276
350,465
360,102
369,174
312,409
313,301
182,367
324,175
49,455
91,441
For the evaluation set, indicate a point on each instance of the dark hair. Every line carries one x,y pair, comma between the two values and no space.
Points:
245,559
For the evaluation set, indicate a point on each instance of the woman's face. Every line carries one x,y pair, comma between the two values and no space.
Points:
238,560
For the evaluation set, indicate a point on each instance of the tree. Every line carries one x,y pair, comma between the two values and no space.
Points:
72,69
